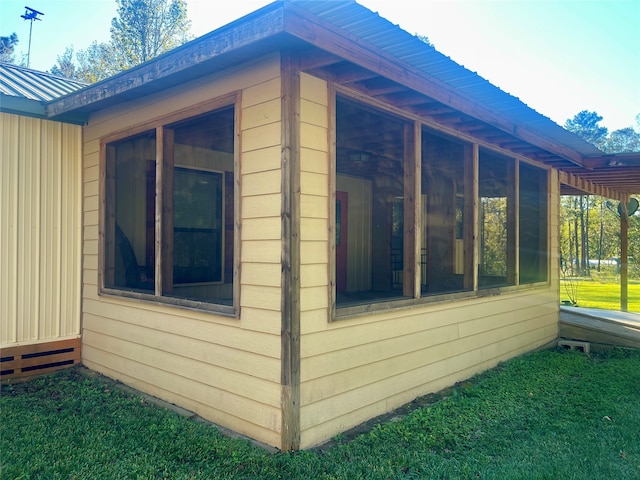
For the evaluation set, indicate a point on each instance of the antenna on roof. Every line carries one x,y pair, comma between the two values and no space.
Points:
31,15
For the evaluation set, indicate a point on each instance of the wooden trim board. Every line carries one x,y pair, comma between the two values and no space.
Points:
39,358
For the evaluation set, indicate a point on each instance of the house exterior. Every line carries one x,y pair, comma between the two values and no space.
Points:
309,217
40,225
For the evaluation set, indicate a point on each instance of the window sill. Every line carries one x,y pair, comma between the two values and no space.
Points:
223,310
381,306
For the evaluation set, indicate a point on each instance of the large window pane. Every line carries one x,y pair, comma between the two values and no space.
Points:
533,224
443,223
130,214
370,240
196,257
203,208
496,230
197,226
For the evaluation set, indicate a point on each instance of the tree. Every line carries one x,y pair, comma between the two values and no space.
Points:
623,140
65,66
585,125
424,39
145,29
142,30
7,47
95,63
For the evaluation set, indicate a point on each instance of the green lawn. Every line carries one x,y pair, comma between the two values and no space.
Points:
603,293
551,414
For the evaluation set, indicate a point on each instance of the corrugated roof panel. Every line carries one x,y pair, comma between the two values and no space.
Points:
390,38
17,81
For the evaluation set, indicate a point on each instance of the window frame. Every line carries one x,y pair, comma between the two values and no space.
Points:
471,209
411,281
163,125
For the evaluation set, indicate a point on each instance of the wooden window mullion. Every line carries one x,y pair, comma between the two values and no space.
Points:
471,216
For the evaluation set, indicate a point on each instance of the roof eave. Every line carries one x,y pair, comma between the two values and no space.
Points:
21,106
198,57
269,29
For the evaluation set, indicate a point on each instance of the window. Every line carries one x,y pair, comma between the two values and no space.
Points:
443,259
195,232
370,233
496,186
482,215
533,224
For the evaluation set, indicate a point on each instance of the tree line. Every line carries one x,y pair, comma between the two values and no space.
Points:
590,225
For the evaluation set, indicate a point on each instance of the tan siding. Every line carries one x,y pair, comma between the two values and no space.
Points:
40,230
314,161
314,198
358,369
261,114
223,368
261,228
261,160
260,206
206,401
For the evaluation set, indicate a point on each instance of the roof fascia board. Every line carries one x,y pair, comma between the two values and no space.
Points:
28,107
259,25
334,40
21,106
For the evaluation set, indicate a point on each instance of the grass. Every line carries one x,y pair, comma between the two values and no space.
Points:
551,414
602,292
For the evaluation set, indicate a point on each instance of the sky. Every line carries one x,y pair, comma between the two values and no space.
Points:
558,56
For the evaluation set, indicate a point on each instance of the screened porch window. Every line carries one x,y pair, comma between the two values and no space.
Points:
497,189
194,233
445,195
370,239
456,219
533,224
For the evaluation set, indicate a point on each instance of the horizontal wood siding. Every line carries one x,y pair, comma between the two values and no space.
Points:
355,369
225,369
314,197
40,230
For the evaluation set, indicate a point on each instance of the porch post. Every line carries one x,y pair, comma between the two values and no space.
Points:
624,255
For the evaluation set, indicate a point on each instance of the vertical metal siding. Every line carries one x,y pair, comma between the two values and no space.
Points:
39,230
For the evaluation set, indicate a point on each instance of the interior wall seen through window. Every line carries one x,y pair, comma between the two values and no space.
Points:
370,244
197,225
444,164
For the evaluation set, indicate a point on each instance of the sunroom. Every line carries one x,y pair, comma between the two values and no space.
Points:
309,217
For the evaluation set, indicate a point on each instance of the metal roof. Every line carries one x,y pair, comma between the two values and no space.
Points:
390,38
350,45
22,82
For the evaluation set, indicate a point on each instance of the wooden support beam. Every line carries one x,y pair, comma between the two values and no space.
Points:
327,36
318,59
513,184
579,183
164,210
411,260
290,213
624,256
471,216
